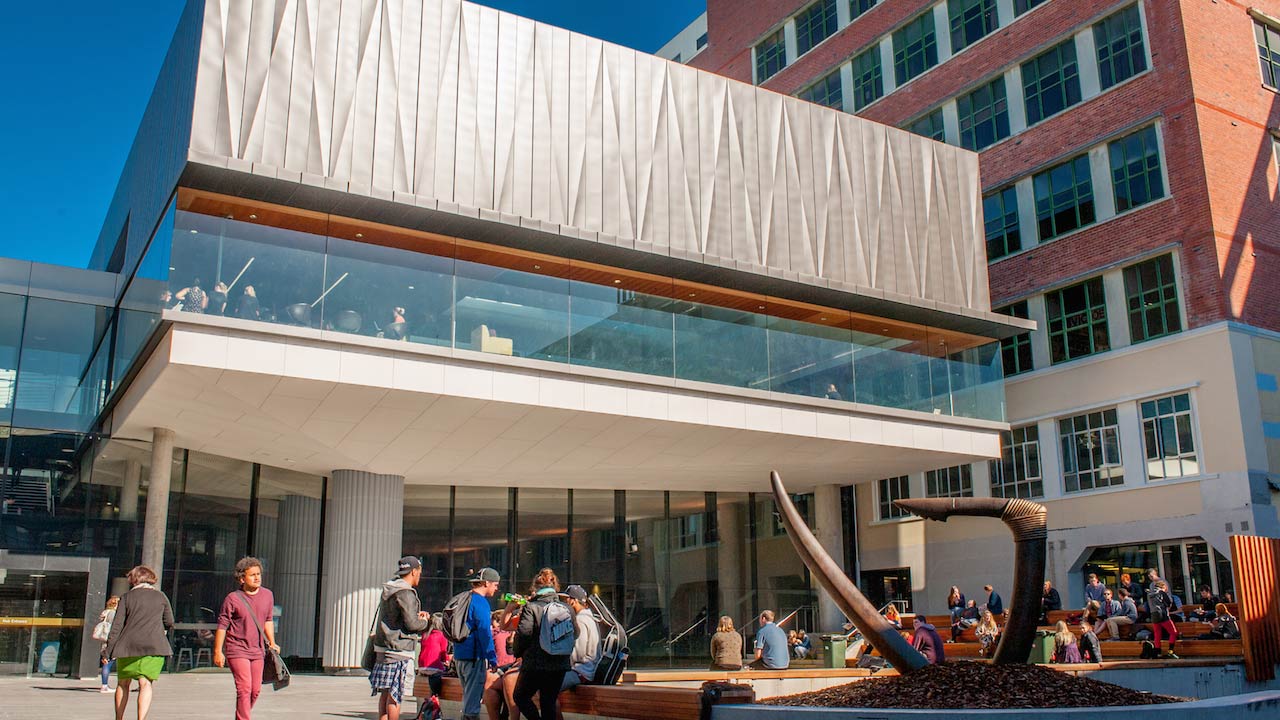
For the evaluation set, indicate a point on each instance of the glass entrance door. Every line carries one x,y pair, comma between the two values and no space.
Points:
41,621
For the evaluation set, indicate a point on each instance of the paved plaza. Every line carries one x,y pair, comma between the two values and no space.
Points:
190,696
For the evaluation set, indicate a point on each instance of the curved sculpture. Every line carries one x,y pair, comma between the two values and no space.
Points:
883,636
1026,520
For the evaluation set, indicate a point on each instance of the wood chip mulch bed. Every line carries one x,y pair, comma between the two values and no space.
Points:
964,685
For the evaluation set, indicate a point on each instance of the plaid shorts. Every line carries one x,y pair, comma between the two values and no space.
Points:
392,677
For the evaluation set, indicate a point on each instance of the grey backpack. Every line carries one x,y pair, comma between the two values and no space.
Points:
556,635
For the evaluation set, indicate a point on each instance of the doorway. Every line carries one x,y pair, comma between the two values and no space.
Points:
42,620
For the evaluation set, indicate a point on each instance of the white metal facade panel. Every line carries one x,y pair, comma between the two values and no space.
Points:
467,108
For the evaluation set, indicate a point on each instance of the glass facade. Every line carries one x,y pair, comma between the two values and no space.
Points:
337,275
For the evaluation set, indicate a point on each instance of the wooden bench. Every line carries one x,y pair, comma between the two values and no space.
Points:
635,702
1117,649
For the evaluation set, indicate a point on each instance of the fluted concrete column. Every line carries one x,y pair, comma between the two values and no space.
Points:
157,517
293,575
362,543
129,490
830,532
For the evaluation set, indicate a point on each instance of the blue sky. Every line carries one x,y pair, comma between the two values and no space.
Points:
78,75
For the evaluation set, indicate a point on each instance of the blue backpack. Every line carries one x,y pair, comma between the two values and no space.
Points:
556,635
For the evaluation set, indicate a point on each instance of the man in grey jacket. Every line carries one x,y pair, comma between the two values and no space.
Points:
400,622
586,649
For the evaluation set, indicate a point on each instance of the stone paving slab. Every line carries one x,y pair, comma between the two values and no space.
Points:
190,696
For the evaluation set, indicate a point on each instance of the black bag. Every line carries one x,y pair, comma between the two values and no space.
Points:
613,645
1149,651
369,657
455,613
274,670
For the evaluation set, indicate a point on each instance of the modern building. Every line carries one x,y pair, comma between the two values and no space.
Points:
421,276
1129,178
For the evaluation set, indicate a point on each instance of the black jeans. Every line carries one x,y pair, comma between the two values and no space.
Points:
546,684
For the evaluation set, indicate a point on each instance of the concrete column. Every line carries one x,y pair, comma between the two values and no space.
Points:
951,123
1036,310
129,491
829,529
362,543
1016,99
1104,198
1117,309
942,30
293,573
886,64
1087,62
157,517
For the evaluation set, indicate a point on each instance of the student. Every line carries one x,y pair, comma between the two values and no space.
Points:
1160,605
726,646
988,632
1050,601
891,614
955,603
1225,626
541,673
771,645
434,660
139,639
238,644
1065,649
400,622
927,640
107,616
1093,589
1090,650
1126,615
586,649
803,646
994,603
475,657
965,620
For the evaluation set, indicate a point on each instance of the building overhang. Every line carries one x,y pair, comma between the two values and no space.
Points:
314,401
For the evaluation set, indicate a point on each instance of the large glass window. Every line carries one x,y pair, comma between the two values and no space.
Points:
1077,321
1051,82
1151,293
915,48
1135,169
971,20
12,313
826,91
1169,437
59,341
868,78
42,492
1268,39
648,576
719,344
771,56
1121,54
815,24
1091,451
888,490
1064,198
542,532
427,535
810,358
1016,351
481,529
286,530
508,311
1000,220
930,126
1017,473
621,328
884,587
984,115
954,481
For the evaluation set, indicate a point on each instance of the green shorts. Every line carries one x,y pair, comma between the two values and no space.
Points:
132,668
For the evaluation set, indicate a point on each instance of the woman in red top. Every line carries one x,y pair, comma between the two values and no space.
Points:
238,642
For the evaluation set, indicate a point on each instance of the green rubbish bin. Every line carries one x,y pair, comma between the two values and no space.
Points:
833,647
1042,650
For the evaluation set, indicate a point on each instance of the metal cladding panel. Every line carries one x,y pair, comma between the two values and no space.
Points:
461,106
1255,564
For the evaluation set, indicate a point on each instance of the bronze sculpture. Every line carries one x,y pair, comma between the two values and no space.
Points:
1026,520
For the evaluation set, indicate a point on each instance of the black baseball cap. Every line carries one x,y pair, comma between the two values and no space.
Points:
486,575
574,592
408,564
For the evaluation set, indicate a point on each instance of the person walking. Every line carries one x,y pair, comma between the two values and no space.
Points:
542,671
475,656
102,631
1160,605
245,631
139,639
400,622
726,646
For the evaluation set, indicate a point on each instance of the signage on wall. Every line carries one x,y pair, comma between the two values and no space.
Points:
48,662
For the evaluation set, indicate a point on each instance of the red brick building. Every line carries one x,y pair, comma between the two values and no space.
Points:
1129,158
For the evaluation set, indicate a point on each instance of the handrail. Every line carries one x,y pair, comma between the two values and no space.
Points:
702,619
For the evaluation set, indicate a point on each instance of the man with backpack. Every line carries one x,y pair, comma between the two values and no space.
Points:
467,626
586,649
400,622
544,642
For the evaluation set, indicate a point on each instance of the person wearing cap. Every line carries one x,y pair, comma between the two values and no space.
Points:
475,657
400,622
586,649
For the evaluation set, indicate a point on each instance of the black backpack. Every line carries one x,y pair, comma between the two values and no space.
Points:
1149,651
613,644
455,615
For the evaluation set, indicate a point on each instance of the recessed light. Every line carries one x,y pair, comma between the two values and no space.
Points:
359,235
253,217
759,307
617,282
537,267
824,318
693,294
193,232
410,287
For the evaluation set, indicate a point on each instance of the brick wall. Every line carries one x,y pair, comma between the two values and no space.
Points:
1204,83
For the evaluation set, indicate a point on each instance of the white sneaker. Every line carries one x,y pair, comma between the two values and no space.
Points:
106,689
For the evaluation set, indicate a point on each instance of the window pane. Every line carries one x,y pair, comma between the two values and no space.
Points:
868,80
771,56
915,48
1268,53
1135,169
1016,351
1064,198
930,126
1051,82
1021,6
1091,451
1167,429
1000,219
1151,295
1018,473
1121,54
984,115
890,489
826,91
857,7
1077,318
815,24
971,20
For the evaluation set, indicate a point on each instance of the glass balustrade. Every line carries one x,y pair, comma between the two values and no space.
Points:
404,285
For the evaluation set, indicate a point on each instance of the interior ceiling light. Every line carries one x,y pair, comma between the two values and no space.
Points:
359,235
617,282
253,217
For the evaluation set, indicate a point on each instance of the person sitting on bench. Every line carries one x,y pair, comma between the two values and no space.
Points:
586,649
